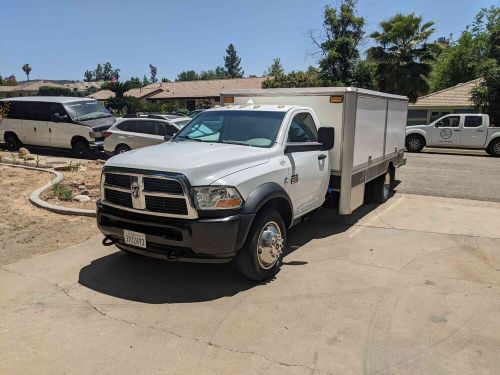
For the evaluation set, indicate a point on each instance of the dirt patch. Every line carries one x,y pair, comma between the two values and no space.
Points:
82,179
26,230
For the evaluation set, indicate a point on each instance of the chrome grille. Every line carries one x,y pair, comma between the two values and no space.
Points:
153,194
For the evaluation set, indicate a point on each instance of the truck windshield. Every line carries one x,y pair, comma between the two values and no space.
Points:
86,110
247,128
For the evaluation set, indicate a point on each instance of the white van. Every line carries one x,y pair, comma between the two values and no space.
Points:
59,122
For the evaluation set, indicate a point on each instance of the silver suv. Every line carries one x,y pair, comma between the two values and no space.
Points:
131,133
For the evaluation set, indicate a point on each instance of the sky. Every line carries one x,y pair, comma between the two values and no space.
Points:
60,39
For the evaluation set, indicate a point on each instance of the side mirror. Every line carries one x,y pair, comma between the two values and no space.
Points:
60,118
326,136
167,138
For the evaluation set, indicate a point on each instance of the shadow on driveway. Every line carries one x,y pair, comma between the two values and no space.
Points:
150,280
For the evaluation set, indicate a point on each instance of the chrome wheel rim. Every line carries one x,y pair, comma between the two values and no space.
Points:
387,186
269,245
414,144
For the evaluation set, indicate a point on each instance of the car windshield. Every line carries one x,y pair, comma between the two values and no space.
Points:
247,128
86,110
181,123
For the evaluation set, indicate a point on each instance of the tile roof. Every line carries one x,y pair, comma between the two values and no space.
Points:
142,92
456,97
203,88
102,95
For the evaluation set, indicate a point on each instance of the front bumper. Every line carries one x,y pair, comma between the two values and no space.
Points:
213,240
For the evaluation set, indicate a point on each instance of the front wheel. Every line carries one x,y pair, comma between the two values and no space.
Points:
81,149
120,149
12,143
260,258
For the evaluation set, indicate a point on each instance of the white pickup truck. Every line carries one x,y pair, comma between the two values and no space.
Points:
471,131
233,181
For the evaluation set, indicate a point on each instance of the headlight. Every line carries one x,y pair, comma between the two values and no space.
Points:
217,197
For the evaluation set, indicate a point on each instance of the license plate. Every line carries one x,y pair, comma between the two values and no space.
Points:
134,238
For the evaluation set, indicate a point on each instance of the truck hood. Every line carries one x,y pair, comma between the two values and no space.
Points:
201,162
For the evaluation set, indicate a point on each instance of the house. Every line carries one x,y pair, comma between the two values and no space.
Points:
186,94
32,88
102,95
456,99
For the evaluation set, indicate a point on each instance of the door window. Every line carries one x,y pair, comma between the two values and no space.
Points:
449,122
164,129
473,121
146,127
303,129
55,110
127,126
37,111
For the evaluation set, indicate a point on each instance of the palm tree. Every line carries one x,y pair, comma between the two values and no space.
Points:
27,69
403,58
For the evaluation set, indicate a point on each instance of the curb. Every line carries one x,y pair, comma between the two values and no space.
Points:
37,201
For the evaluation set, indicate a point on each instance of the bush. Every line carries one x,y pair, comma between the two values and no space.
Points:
62,192
57,91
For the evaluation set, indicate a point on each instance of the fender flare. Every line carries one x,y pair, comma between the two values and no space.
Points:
255,201
419,132
494,137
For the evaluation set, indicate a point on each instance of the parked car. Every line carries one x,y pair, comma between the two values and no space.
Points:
195,113
468,130
233,181
60,122
170,117
130,133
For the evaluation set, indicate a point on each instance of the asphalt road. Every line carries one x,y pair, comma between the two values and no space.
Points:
454,176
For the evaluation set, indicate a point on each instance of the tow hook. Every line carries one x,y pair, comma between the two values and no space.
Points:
108,241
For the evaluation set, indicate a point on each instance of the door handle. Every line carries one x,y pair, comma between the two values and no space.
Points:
34,128
50,130
456,130
321,157
480,130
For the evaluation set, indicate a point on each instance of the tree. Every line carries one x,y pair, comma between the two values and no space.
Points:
232,63
10,80
309,78
57,91
164,79
343,31
404,57
1,81
119,88
145,80
363,74
153,71
460,61
187,75
275,69
134,82
98,73
27,69
88,76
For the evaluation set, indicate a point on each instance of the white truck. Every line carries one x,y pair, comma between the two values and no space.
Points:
233,181
472,131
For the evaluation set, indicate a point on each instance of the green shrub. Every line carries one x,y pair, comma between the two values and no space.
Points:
57,91
62,192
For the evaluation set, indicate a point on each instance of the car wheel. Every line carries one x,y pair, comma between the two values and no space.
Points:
81,149
12,142
120,149
414,143
381,188
494,148
261,256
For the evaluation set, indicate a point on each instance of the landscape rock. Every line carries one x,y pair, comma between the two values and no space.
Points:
62,168
100,161
82,187
23,152
81,198
85,192
30,157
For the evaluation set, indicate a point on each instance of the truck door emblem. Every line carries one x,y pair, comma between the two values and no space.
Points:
294,179
445,133
134,189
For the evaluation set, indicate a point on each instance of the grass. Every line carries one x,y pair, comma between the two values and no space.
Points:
62,192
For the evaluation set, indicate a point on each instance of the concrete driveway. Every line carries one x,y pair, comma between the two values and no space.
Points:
409,287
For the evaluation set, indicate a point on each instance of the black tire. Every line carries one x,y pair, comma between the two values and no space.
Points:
81,149
414,143
120,149
12,143
249,262
494,148
381,188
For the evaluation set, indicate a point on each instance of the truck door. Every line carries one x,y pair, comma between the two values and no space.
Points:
446,132
474,131
306,176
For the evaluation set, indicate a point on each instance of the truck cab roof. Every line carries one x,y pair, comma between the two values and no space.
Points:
257,107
